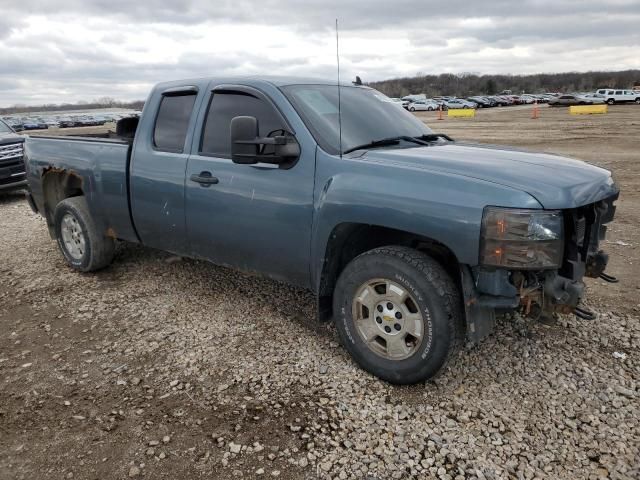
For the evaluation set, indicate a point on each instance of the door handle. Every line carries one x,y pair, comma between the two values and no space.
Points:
204,178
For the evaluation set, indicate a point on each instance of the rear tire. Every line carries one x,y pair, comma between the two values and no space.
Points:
83,246
400,341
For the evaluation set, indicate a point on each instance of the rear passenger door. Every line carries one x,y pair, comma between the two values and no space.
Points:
158,167
252,217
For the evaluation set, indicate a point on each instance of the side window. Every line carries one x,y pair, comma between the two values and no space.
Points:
216,135
172,122
618,92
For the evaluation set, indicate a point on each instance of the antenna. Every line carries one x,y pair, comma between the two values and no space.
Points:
339,109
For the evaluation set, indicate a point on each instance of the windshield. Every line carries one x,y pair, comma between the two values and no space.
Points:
4,128
367,115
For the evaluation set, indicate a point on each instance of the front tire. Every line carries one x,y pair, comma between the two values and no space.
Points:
412,109
398,313
611,101
83,246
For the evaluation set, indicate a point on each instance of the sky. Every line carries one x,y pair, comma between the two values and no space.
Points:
56,51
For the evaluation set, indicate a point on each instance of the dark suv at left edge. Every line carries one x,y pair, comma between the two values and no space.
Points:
12,168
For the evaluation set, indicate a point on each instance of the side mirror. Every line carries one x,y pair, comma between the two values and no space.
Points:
244,132
248,148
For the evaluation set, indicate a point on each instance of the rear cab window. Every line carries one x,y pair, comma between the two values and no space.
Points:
172,121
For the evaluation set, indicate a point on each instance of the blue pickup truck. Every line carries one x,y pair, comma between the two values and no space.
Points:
412,242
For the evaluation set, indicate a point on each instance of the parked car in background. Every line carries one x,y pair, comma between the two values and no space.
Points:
568,100
612,96
34,125
455,103
12,169
503,100
481,102
423,105
67,122
528,99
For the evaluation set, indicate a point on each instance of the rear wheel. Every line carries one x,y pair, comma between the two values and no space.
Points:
82,245
398,314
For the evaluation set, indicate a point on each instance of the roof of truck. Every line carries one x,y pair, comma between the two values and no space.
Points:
278,81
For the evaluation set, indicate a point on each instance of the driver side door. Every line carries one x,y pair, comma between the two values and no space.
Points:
250,217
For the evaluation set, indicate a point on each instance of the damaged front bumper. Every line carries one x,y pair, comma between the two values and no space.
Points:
491,291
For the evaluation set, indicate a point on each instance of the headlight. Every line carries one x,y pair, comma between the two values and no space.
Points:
521,239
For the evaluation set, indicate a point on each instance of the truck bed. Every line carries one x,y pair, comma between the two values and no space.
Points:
101,164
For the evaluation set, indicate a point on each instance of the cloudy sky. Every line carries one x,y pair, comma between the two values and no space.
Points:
69,50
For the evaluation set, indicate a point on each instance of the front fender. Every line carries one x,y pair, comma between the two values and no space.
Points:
441,206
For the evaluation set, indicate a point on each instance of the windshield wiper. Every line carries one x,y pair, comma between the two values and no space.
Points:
385,142
432,137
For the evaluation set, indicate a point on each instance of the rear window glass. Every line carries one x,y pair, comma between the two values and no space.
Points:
172,122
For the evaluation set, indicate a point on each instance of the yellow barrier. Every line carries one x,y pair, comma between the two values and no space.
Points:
587,109
461,112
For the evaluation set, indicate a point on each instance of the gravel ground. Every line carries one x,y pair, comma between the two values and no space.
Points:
162,367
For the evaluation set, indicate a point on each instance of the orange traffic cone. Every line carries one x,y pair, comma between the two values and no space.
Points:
535,110
440,117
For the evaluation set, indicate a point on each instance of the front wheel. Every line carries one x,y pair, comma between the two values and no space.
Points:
398,313
412,109
611,101
84,247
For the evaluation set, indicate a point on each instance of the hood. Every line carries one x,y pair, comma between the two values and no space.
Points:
556,182
8,138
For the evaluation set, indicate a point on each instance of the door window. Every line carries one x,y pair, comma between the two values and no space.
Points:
224,106
172,122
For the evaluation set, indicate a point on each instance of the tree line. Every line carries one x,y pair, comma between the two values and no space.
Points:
466,84
104,102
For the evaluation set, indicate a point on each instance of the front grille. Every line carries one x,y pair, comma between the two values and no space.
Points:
585,227
12,169
11,154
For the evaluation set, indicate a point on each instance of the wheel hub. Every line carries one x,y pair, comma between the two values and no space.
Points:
388,319
72,236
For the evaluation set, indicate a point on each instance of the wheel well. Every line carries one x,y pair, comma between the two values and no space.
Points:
348,240
56,186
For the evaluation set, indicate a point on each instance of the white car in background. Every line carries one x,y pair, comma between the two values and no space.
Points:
423,105
612,96
455,103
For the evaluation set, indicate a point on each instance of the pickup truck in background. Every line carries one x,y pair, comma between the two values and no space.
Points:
12,169
410,241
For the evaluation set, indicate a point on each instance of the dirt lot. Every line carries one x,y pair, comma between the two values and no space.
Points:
160,367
